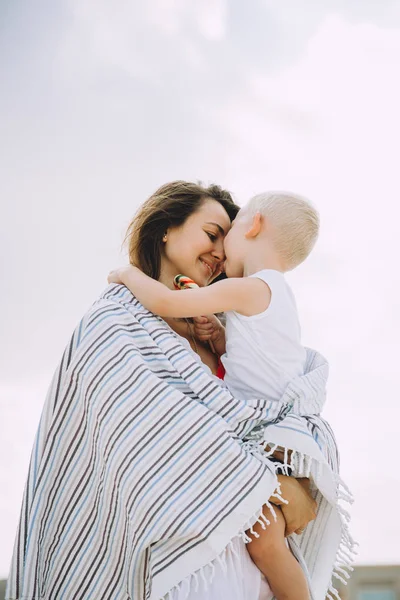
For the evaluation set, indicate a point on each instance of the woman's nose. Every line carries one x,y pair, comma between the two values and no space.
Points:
219,252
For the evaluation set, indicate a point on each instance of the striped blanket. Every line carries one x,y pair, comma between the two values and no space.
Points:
144,469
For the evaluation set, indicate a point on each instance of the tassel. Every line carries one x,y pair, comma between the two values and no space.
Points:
272,510
212,574
204,578
344,513
301,464
286,461
262,523
222,562
196,582
335,574
340,569
256,535
271,450
267,522
334,592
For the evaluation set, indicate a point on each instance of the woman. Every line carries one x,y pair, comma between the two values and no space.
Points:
103,514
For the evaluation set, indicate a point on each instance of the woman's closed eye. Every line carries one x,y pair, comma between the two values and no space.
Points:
212,236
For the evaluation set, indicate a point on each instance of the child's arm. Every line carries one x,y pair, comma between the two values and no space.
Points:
247,295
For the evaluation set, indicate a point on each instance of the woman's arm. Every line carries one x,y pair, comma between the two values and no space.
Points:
301,506
247,295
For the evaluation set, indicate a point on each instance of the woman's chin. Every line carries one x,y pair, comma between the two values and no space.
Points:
203,276
197,276
202,281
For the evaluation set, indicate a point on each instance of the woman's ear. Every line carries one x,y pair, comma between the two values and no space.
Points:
255,227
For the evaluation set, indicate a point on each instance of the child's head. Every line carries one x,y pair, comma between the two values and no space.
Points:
285,223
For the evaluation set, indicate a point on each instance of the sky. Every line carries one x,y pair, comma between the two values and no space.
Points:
103,102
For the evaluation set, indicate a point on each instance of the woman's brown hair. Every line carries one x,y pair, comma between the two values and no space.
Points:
169,206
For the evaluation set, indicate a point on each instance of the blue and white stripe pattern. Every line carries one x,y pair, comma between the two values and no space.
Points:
141,473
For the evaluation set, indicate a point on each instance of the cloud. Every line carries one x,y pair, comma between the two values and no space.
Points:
150,41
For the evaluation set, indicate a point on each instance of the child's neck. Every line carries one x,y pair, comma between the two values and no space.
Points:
255,263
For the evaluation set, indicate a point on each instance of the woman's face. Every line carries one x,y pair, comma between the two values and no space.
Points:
196,248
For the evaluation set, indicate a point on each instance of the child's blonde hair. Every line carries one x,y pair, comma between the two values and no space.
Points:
295,223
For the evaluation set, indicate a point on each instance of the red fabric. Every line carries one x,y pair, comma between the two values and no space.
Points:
220,370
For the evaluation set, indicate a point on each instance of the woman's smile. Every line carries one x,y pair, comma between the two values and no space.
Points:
208,266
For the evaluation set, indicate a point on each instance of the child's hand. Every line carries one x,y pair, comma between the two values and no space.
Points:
119,275
210,329
114,276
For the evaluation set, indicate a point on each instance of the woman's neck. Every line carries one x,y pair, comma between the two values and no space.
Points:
185,329
179,326
167,276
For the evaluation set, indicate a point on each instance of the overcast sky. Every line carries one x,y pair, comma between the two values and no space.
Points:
101,102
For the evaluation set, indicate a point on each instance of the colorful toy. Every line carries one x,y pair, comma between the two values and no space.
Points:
181,282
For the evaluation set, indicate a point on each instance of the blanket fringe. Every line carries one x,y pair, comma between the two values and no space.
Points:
305,466
207,572
332,590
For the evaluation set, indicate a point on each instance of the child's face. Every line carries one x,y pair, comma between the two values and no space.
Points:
235,244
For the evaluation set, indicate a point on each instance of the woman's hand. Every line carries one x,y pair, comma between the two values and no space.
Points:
210,329
301,507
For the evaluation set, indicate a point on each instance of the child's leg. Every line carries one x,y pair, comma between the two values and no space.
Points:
274,559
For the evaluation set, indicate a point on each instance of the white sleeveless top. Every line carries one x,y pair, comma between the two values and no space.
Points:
241,579
264,351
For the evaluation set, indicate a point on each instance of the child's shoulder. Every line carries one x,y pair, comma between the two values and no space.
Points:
269,275
258,296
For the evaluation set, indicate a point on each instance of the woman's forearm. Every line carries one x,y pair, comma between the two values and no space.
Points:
285,490
297,504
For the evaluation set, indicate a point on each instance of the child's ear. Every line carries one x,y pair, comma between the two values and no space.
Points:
255,227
